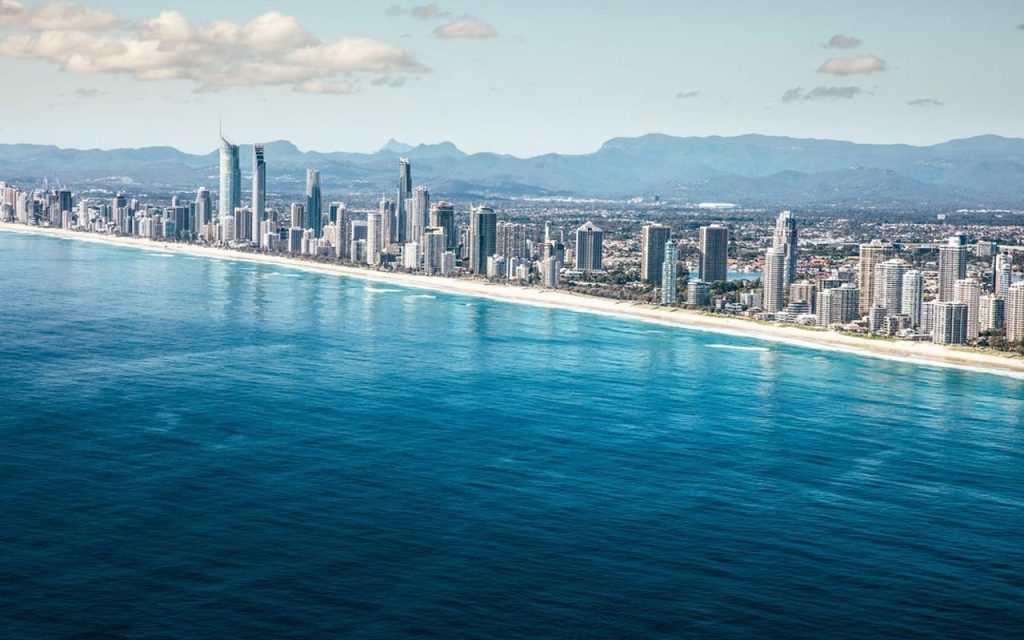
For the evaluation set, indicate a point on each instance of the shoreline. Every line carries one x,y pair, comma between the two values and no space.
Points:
918,353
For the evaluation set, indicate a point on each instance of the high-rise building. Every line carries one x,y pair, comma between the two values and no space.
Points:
968,292
669,274
992,314
774,280
204,210
483,238
442,216
259,192
913,296
1002,274
785,238
589,247
230,179
839,305
652,239
889,286
314,203
433,250
806,292
374,239
952,267
871,255
1015,313
950,323
714,253
511,241
298,215
698,293
401,225
420,214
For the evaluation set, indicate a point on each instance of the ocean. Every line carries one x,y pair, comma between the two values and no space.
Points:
197,448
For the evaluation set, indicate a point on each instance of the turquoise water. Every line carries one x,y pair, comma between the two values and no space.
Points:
192,448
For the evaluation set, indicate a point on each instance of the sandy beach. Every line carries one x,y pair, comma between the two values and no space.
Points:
915,352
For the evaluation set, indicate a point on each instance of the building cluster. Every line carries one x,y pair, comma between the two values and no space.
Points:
889,291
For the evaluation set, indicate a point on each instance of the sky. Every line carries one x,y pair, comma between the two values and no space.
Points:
523,78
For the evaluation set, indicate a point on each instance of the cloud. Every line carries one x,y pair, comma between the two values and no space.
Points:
926,102
465,28
687,94
338,87
87,93
819,93
55,16
271,49
388,81
839,41
422,12
854,65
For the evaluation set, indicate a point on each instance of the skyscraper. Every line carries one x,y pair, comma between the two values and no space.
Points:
1015,313
1002,274
230,179
511,240
952,267
401,227
839,305
889,286
714,253
374,239
204,210
298,215
259,192
589,246
442,216
786,239
950,323
968,292
420,215
775,279
669,274
482,238
871,255
314,203
913,296
652,239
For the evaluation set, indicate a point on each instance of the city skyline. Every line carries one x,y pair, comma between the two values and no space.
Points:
837,73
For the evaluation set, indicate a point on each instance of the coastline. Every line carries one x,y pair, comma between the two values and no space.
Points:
919,353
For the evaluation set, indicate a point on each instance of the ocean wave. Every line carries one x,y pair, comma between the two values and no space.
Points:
736,347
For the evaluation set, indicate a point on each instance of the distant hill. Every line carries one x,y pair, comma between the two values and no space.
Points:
753,170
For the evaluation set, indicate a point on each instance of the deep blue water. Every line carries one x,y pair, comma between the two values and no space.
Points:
192,448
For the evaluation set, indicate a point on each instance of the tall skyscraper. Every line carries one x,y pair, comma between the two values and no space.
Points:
374,239
204,210
511,240
950,323
230,179
442,216
786,239
259,192
1002,274
952,267
589,247
992,314
652,240
968,292
839,305
774,279
401,227
1015,313
889,286
871,255
913,296
714,253
669,274
314,203
420,214
298,215
433,250
483,232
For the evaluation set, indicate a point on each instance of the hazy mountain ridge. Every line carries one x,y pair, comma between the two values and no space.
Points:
751,170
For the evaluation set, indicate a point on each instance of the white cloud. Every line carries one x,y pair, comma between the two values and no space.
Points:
421,12
819,93
854,65
55,16
682,95
465,28
839,41
271,49
926,102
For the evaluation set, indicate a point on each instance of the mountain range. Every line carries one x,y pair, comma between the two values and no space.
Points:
749,170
